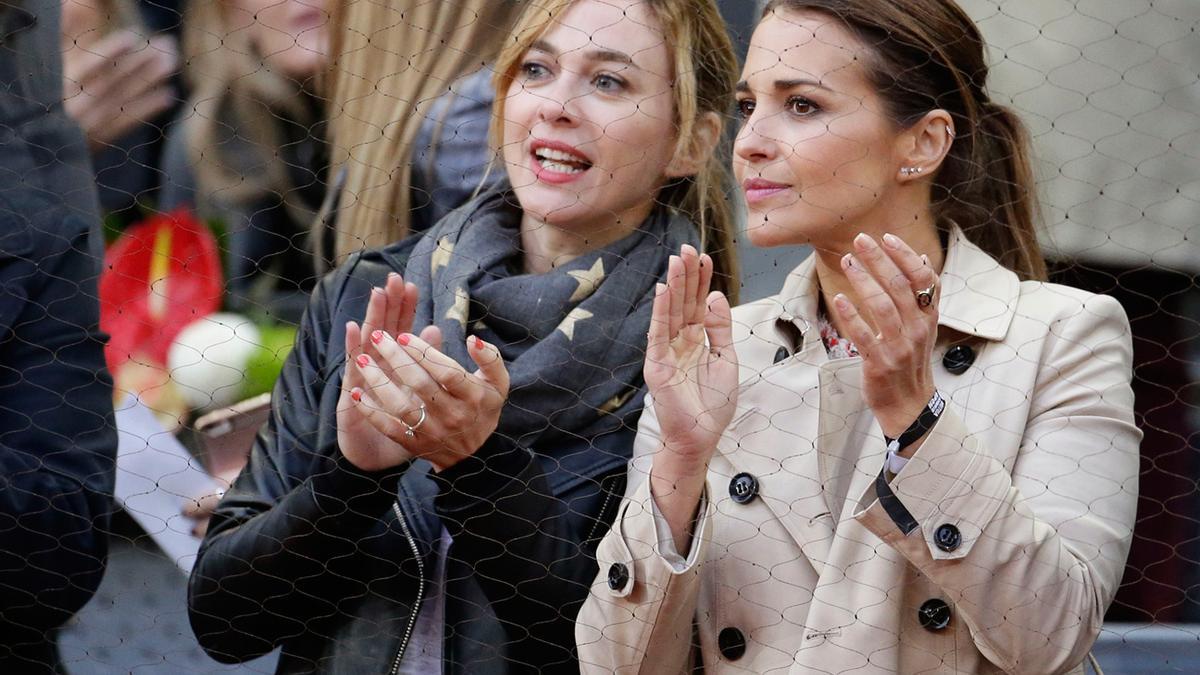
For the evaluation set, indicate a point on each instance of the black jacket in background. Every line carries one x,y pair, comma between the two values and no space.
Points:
308,553
57,436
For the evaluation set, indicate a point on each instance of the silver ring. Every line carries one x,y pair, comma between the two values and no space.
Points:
410,430
925,296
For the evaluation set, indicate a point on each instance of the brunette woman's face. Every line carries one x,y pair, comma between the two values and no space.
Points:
589,120
291,36
816,154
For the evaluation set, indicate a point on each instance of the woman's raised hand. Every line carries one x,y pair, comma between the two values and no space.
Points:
389,309
692,373
897,358
425,402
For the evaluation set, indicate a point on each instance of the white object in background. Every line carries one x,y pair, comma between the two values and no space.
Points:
208,359
156,476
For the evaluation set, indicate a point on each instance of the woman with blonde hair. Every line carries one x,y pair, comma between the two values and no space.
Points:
431,501
919,456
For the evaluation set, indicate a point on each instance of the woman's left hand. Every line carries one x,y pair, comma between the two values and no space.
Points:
897,360
461,409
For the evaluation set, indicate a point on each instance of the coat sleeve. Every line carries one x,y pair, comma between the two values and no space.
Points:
1030,558
638,617
58,439
282,546
531,548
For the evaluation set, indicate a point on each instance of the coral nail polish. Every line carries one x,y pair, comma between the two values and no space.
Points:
403,338
356,394
377,336
363,360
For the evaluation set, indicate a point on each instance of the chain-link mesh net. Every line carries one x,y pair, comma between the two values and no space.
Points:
251,172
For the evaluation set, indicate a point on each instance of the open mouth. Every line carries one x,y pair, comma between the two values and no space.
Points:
560,158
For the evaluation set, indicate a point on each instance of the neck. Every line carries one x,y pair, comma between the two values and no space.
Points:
918,230
546,246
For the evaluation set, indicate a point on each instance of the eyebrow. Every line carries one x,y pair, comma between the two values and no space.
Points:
610,55
743,87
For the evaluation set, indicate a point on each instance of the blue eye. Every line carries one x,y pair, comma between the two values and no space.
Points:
801,107
606,82
532,70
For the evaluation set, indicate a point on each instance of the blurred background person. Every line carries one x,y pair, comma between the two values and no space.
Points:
117,85
1110,93
411,96
248,151
57,435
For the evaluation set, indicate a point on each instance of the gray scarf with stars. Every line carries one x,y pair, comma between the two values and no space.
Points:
573,339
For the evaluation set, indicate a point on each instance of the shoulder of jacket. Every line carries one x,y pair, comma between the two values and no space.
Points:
1047,307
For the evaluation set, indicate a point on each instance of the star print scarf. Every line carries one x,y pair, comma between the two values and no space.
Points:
573,339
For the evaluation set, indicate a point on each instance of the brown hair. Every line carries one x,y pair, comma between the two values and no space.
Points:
705,70
390,62
929,54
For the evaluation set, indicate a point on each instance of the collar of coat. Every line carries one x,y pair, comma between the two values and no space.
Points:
978,296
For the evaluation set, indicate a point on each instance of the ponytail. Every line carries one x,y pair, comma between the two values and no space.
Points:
990,192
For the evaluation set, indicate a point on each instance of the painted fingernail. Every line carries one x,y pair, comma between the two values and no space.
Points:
403,338
363,360
891,240
476,343
376,336
863,239
356,394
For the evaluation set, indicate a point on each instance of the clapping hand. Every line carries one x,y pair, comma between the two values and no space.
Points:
692,372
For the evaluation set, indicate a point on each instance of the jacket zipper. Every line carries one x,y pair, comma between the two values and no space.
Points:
412,619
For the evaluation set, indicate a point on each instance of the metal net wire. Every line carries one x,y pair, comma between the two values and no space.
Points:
238,157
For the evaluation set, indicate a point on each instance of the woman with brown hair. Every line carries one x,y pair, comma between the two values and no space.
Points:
919,456
431,502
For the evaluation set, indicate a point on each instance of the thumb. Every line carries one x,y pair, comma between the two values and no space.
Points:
491,364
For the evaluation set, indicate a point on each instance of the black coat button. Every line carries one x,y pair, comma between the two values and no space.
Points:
947,537
781,354
743,488
732,643
934,615
958,358
618,576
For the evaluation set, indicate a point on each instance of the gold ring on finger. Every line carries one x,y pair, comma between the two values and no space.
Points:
925,296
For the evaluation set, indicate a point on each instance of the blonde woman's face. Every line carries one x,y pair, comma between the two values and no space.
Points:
816,155
291,36
589,120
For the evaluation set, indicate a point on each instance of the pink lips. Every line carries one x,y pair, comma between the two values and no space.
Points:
547,175
760,189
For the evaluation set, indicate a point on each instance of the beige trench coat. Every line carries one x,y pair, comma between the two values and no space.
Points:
1018,507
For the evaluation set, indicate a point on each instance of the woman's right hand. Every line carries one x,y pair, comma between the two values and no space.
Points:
693,382
391,310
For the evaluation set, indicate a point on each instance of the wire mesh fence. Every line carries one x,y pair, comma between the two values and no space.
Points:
344,334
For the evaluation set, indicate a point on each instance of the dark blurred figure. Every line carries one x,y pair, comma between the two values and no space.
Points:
57,435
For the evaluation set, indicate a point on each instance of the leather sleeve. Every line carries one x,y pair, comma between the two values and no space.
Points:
531,549
282,549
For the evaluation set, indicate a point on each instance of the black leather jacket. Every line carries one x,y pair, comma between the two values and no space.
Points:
308,553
